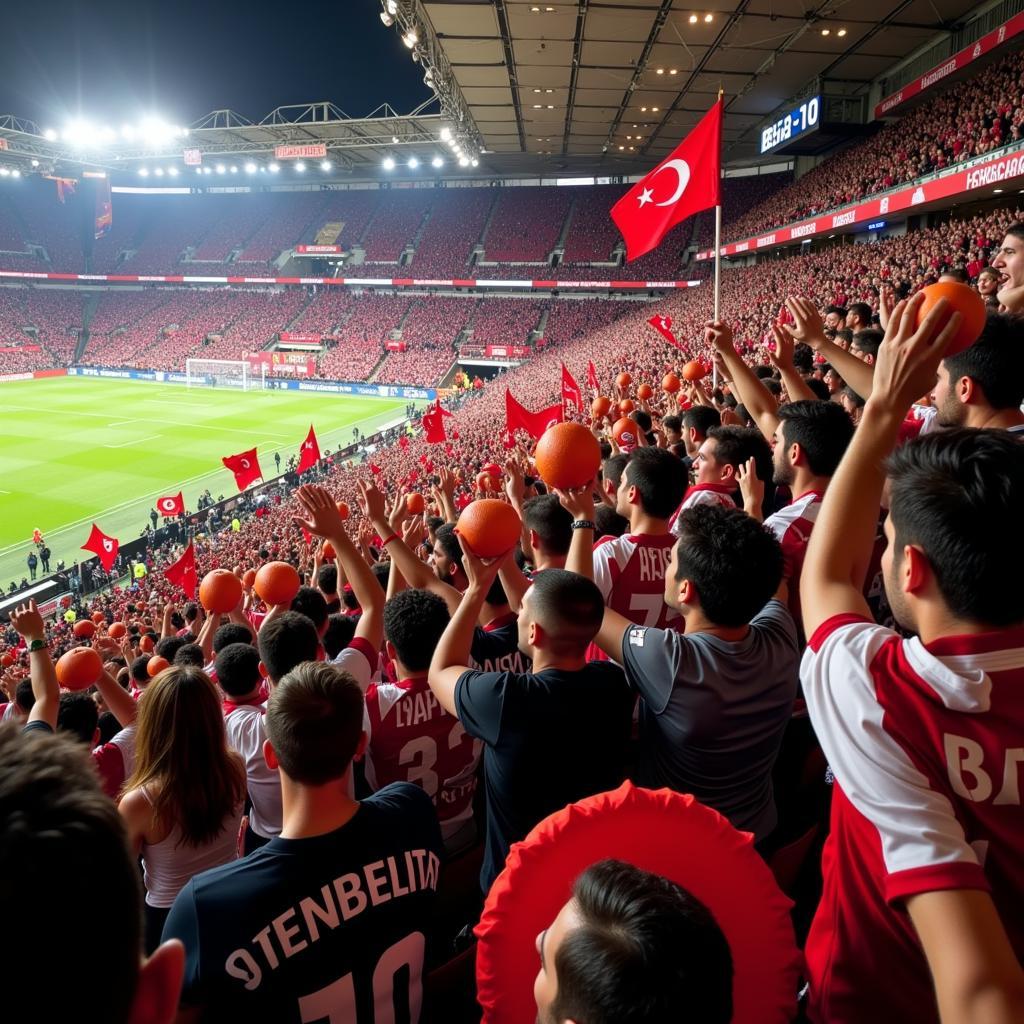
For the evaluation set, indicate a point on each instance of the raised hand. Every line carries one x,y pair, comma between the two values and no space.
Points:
578,501
782,357
718,336
808,326
322,515
372,503
28,622
751,487
480,574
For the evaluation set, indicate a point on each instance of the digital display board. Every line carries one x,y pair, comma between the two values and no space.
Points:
797,122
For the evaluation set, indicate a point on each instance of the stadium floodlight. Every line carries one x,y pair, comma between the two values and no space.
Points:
15,173
50,135
446,134
412,163
35,163
389,163
463,161
437,162
387,19
475,162
300,166
274,168
207,170
325,165
159,172
250,168
394,140
199,171
107,134
221,169
4,173
172,171
143,172
234,169
410,38
391,6
79,133
127,131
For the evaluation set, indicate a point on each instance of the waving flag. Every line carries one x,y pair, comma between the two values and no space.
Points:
433,426
102,546
570,391
592,381
183,573
534,423
687,181
171,505
245,466
663,325
309,453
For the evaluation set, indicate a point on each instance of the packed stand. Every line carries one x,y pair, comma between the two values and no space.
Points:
505,321
422,366
326,311
290,217
456,225
350,358
396,222
436,319
525,225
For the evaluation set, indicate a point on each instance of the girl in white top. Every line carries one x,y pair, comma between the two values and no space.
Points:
183,803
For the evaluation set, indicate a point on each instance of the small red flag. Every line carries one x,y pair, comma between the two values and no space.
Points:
403,442
592,381
171,505
534,423
570,391
375,469
306,536
245,466
183,573
687,181
663,325
433,427
102,546
309,453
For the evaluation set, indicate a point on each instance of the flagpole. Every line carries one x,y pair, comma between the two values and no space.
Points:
718,257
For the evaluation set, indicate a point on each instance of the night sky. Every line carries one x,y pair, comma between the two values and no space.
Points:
114,62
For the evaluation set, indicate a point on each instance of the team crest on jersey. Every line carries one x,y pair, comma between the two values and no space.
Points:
636,636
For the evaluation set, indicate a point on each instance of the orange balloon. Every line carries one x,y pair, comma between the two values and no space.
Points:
329,552
600,406
626,432
98,618
146,644
343,509
84,629
414,503
963,300
626,406
156,665
624,379
249,579
220,591
693,370
79,668
484,482
568,455
277,583
670,383
489,527
117,630
644,392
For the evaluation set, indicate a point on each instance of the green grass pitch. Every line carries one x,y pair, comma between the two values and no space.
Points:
74,451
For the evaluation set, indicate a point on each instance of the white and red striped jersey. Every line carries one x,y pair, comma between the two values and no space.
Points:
925,742
704,494
413,739
630,573
792,527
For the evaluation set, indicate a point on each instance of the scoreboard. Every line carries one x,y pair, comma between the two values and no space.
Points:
797,124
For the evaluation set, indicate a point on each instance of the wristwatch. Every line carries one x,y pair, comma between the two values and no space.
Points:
37,645
583,524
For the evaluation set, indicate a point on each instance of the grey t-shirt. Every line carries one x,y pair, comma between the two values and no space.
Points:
713,713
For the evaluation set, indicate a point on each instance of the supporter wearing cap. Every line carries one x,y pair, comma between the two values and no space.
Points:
630,947
551,736
328,919
923,865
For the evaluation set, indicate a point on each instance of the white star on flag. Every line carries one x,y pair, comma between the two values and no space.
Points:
645,196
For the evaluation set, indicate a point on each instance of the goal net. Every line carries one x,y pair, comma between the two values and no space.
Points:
222,373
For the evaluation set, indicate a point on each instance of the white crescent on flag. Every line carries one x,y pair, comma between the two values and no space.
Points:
168,504
244,463
682,169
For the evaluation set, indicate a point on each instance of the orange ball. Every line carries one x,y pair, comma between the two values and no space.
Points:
693,370
98,618
600,406
156,665
79,668
670,383
489,527
568,455
220,591
343,509
484,482
626,432
626,406
146,644
249,579
644,392
84,629
328,552
414,503
624,379
962,299
277,583
117,630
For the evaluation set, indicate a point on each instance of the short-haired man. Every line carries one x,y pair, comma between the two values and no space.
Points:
865,345
551,736
922,916
858,317
1009,261
631,947
696,422
327,920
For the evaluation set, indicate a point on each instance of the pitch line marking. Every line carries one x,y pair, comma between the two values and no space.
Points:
138,440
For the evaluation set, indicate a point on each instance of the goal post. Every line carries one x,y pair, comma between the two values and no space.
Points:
217,373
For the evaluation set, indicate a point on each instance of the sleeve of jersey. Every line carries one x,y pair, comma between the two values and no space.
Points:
359,659
923,845
183,923
652,659
109,762
606,569
479,700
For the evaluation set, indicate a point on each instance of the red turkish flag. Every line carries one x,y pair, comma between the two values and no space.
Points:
245,466
183,573
433,427
309,453
570,391
171,505
102,546
687,181
663,325
534,423
441,409
592,381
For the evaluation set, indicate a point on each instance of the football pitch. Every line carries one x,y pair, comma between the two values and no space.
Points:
74,451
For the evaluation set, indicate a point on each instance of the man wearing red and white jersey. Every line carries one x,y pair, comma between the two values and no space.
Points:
922,913
411,737
630,570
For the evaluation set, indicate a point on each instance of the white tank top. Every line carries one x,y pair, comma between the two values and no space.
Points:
168,867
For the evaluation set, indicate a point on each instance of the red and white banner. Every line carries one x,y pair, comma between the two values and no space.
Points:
34,375
19,348
305,340
318,250
288,363
1008,169
396,346
508,351
192,157
308,150
957,62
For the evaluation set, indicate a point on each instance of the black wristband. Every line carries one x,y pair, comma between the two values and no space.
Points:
583,524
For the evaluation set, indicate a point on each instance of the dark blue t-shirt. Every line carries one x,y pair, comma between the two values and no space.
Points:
323,929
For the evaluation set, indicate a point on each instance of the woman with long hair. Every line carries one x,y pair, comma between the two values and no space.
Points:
183,803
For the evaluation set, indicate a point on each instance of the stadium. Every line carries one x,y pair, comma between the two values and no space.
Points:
535,548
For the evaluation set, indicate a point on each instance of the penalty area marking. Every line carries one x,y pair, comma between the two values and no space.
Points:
138,440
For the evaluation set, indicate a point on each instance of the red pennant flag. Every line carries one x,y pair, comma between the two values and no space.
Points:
428,466
183,573
245,466
433,427
687,181
102,546
570,391
592,381
403,442
171,506
309,453
508,442
306,536
663,325
534,423
375,469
